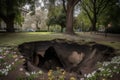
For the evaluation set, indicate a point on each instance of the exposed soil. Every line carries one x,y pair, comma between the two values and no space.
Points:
73,57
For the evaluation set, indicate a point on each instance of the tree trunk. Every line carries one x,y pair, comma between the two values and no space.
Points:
37,25
48,28
93,25
62,29
10,26
69,20
0,25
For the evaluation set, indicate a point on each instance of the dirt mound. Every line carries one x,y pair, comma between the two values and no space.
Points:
78,58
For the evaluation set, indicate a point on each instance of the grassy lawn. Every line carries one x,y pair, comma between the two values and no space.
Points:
14,39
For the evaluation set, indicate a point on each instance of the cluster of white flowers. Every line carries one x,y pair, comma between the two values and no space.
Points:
5,70
105,70
105,63
30,73
8,67
116,60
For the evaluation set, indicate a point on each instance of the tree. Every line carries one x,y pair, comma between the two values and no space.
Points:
9,10
39,17
0,23
59,17
68,6
38,20
111,16
94,9
82,22
69,13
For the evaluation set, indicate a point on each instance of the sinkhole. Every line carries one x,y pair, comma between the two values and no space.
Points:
80,58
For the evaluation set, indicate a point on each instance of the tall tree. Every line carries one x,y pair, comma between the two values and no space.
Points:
59,17
69,20
68,6
94,9
9,10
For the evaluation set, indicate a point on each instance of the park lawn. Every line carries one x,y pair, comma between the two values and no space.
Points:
14,39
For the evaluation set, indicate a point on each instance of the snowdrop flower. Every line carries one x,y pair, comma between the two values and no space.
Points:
93,73
101,69
13,63
21,56
40,72
9,65
89,75
21,69
27,74
33,72
115,67
16,59
6,73
117,72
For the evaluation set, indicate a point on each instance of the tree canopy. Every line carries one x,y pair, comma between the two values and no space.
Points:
10,10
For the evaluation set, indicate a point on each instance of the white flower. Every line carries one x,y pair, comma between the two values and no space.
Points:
16,59
33,72
89,75
21,69
21,56
27,74
9,66
93,73
117,72
115,67
6,73
13,63
40,72
101,69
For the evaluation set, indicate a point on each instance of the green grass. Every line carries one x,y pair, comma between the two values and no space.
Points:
14,39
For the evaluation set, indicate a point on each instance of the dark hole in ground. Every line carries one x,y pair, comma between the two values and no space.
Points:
78,58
